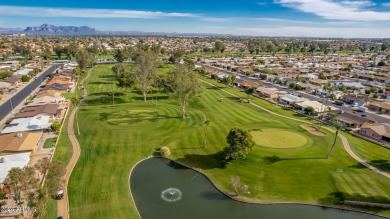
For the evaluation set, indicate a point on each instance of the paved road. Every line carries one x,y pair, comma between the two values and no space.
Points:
63,204
344,140
9,105
345,108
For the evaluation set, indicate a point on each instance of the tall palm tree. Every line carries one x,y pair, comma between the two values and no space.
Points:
207,123
338,125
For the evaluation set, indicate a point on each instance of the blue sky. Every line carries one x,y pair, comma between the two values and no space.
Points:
322,18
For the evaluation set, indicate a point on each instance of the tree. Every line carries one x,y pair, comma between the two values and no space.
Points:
22,181
55,126
42,165
165,152
207,124
84,59
219,46
249,91
145,72
25,78
58,51
309,110
229,80
118,69
322,76
240,144
338,125
184,85
381,63
77,71
121,55
54,176
162,84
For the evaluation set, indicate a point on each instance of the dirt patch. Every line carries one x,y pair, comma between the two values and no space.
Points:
312,130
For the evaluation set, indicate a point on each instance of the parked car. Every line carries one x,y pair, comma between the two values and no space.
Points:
362,109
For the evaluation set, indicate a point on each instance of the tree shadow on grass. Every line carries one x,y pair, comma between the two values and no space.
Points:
358,166
340,198
213,88
334,198
100,82
103,100
116,94
274,159
381,164
233,98
205,162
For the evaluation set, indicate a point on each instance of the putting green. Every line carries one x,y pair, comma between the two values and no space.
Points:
276,138
129,117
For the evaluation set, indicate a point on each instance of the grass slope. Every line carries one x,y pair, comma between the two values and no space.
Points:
99,186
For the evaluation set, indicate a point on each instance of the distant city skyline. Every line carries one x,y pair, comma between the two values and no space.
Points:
299,18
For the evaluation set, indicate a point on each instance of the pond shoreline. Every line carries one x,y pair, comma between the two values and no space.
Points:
337,207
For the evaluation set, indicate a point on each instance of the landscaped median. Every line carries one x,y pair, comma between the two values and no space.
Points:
113,140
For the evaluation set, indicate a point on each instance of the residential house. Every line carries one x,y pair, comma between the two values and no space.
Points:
354,100
354,121
28,124
377,131
249,84
308,88
50,110
237,82
317,106
13,80
289,99
350,85
270,93
19,142
378,106
12,161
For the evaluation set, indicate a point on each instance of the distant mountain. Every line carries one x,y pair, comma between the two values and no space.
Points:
59,30
48,29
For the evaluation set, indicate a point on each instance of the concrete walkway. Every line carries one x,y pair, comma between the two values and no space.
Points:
63,204
344,140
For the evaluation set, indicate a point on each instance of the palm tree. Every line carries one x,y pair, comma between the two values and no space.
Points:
338,125
207,123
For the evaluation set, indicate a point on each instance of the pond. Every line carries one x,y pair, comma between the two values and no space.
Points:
163,189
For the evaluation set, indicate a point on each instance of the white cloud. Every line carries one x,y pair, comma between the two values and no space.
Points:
87,13
299,31
261,3
338,10
386,4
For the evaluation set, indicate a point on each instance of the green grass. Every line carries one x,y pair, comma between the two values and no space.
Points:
283,138
49,143
68,95
376,155
99,185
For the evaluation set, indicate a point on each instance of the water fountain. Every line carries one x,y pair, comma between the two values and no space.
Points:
171,195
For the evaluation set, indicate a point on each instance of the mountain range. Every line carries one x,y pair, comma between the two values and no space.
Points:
48,29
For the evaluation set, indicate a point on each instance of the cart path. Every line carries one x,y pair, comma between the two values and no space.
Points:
344,140
63,204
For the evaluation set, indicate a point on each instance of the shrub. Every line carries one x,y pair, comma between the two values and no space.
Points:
56,126
165,152
25,78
